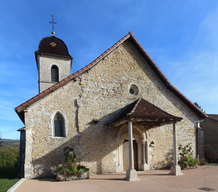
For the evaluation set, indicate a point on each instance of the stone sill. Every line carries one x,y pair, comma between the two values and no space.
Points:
58,138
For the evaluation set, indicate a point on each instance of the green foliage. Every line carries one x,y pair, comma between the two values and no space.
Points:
69,155
8,167
199,106
82,168
70,168
192,161
186,157
1,139
9,157
8,173
185,151
206,163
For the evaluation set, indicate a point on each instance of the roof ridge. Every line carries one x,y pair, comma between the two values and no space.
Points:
151,63
167,83
74,75
160,109
143,110
134,108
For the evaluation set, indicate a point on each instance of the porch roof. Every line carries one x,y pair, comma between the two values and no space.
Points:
144,112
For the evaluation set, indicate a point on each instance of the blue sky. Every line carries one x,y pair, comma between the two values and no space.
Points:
180,36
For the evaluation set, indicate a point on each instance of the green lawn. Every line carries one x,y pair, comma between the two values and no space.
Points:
210,163
7,176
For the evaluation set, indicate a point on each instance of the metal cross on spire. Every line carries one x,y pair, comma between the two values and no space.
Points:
53,33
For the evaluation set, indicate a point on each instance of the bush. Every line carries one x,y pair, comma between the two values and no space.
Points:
9,157
70,168
192,161
186,159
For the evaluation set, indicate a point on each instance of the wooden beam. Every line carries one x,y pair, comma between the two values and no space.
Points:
140,121
117,123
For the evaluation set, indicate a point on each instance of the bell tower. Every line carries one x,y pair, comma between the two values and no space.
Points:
53,61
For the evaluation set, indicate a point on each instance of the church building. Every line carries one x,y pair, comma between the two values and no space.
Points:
119,113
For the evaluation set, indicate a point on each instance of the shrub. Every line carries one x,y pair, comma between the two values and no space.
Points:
9,157
186,157
70,168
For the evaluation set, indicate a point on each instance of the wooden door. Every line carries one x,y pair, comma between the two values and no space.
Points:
126,155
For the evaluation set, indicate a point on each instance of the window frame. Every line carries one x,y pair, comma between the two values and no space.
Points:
54,73
59,128
52,127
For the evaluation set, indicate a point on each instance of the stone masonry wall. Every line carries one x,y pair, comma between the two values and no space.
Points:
99,94
45,64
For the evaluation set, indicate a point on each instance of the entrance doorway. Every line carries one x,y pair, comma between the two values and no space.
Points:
126,155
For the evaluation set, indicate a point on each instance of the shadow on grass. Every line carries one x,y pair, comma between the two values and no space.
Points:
8,173
7,178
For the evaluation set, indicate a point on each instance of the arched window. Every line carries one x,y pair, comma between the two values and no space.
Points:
59,129
54,74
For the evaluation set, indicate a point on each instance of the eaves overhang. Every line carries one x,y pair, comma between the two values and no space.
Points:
151,63
144,113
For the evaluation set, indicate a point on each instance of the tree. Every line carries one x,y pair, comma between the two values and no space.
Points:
1,139
199,106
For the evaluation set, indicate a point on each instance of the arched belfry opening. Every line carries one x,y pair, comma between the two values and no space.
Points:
54,73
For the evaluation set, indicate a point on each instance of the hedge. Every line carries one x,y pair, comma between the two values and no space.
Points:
9,157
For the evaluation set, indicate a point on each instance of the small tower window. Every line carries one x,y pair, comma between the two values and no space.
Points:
59,126
54,74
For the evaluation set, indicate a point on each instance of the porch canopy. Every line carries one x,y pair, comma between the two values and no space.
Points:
142,112
145,113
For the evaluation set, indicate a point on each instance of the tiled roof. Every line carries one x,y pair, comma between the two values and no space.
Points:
213,116
53,45
69,78
142,109
151,63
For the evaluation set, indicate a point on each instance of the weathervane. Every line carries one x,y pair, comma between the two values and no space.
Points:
53,33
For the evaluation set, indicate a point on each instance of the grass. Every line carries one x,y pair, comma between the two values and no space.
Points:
206,163
7,178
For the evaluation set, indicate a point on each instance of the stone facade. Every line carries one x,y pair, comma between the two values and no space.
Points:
210,127
88,102
44,65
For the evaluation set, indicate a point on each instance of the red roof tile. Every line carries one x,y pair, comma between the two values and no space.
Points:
142,109
213,116
167,83
144,54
